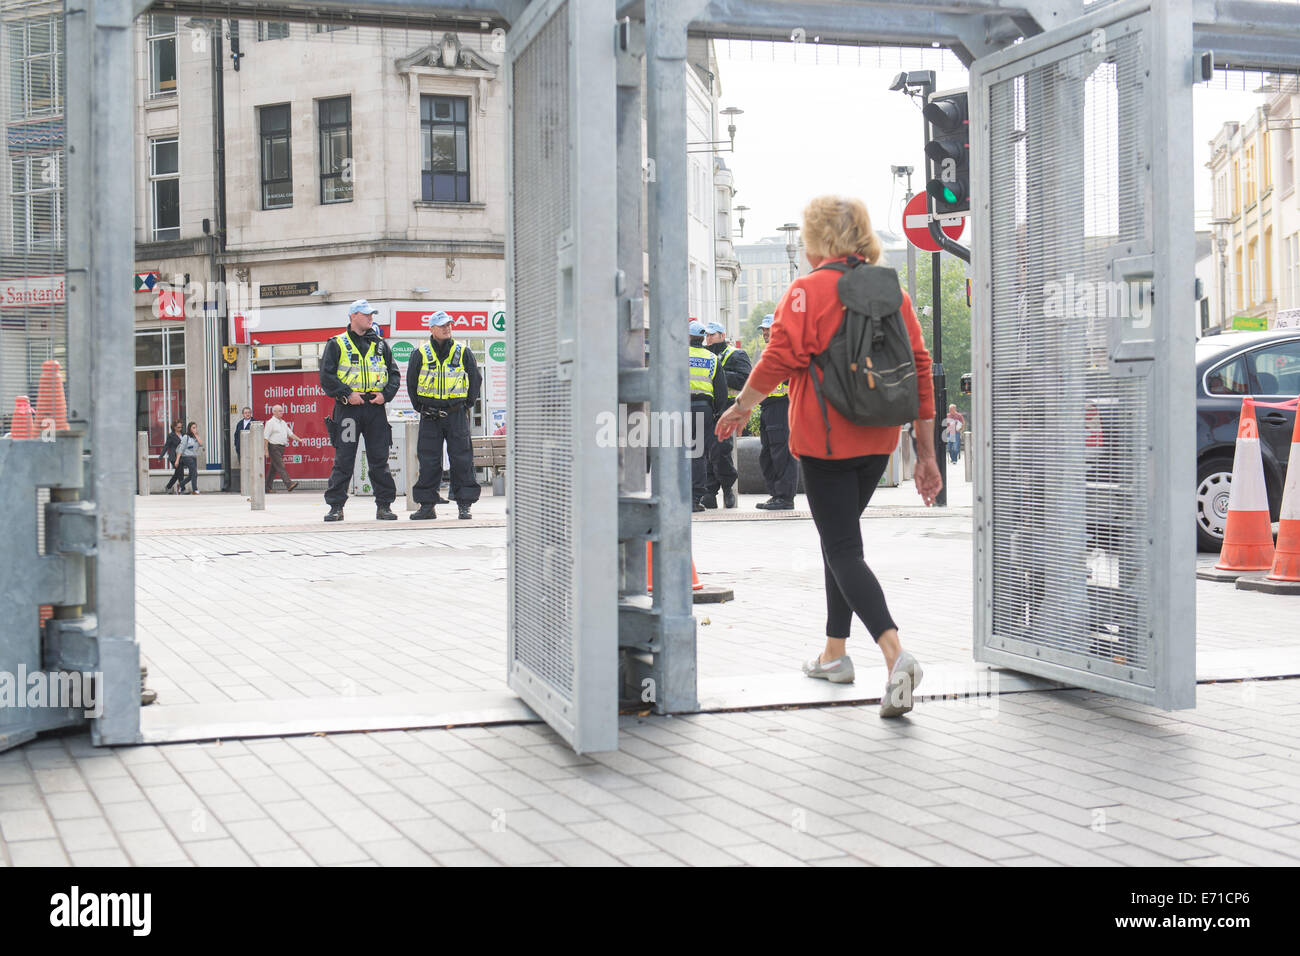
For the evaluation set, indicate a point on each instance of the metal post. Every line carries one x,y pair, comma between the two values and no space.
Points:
256,457
911,257
412,464
940,385
966,445
112,389
142,463
666,22
631,314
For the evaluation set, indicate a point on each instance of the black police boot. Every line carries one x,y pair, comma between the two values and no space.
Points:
464,513
424,514
709,501
728,498
336,513
765,505
781,504
384,513
698,505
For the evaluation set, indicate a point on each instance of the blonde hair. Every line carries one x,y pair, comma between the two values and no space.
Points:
834,226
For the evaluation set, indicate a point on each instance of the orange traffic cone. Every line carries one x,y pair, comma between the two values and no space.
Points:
1248,535
51,404
24,421
1286,559
650,575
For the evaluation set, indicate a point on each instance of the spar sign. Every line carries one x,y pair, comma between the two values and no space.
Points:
415,321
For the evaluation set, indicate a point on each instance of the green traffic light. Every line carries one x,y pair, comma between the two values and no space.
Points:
949,196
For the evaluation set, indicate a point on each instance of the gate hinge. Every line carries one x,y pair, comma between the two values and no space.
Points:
70,527
71,644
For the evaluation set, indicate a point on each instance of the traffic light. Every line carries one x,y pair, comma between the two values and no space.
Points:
949,152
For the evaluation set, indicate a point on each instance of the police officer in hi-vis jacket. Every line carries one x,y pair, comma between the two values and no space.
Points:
708,399
358,371
733,366
443,381
780,470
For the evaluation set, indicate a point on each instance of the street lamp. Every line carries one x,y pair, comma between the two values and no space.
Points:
741,210
791,230
717,146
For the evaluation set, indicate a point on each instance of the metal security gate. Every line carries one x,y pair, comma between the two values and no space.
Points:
67,607
1085,554
560,274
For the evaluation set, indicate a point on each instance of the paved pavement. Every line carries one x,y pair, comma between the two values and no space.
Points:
236,616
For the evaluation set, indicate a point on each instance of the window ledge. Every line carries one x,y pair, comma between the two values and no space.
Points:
458,206
160,100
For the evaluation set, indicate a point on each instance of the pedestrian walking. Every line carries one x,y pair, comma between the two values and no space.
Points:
442,380
189,449
734,367
173,459
357,370
841,462
275,435
708,396
952,426
780,470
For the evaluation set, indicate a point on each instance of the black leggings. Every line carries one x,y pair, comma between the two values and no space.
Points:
838,491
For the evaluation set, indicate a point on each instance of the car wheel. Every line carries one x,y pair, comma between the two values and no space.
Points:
1213,481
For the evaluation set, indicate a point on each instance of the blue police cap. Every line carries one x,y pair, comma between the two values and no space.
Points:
697,328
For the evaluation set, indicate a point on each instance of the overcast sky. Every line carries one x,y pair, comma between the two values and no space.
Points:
823,120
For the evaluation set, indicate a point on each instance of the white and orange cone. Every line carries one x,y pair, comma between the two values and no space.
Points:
1248,535
1286,558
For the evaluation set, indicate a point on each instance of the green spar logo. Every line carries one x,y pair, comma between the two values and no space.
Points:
499,321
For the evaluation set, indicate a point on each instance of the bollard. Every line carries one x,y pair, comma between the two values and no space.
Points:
412,463
246,465
142,463
966,452
256,457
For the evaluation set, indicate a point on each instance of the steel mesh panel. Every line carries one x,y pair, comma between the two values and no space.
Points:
33,217
541,432
1070,478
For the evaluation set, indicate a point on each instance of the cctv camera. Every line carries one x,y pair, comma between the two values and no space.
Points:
900,82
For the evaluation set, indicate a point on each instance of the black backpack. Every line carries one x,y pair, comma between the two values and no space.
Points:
868,372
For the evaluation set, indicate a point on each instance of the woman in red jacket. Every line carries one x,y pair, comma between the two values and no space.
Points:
840,483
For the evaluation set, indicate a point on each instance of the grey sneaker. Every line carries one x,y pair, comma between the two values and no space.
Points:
838,671
903,680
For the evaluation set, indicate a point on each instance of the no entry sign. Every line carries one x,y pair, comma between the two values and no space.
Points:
916,225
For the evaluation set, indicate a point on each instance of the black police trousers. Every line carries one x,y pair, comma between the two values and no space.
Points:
721,470
780,470
454,430
701,418
356,422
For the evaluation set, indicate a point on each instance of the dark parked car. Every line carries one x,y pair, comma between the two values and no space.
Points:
1265,366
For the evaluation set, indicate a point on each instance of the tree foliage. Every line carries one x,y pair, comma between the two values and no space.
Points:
956,322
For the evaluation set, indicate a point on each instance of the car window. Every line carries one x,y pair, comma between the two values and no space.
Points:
1277,368
1229,379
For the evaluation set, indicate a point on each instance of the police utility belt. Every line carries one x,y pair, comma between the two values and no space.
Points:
443,412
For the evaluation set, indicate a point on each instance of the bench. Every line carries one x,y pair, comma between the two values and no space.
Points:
490,452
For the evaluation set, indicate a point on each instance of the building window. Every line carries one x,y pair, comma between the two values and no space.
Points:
159,386
1288,162
330,27
1252,271
444,135
36,194
335,149
35,66
1241,301
1266,166
1295,270
165,187
1288,280
1268,264
162,55
1250,176
1236,186
272,30
1221,196
277,171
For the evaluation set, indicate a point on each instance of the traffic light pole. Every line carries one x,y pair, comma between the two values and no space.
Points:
936,313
